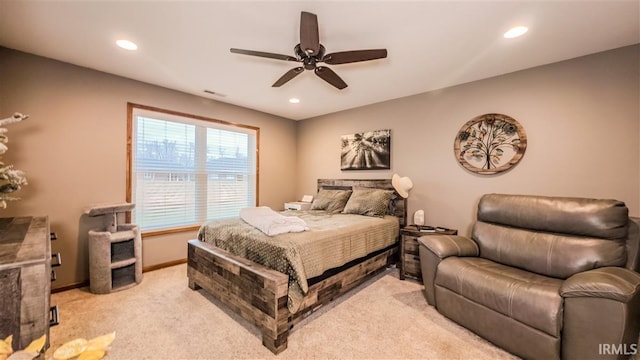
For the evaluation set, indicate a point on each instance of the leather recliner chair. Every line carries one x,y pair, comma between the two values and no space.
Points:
542,277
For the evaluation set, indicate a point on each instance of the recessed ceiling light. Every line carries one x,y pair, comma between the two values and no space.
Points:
514,32
294,100
126,44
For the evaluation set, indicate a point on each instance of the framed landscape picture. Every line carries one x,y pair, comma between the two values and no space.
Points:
369,150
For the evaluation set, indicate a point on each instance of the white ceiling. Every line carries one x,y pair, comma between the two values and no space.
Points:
431,44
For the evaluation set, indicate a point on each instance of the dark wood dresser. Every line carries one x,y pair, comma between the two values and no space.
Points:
25,279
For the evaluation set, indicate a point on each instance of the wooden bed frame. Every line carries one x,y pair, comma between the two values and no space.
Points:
259,294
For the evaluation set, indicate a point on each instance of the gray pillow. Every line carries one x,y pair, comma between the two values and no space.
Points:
332,201
369,202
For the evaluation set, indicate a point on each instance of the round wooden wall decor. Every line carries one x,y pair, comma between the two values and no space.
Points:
490,143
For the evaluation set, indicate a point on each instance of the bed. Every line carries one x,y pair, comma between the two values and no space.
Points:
275,300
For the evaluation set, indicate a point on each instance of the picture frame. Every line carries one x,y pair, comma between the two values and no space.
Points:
370,150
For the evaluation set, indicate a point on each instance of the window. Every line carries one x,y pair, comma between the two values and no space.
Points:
184,169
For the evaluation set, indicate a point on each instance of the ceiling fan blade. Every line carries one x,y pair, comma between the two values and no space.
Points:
288,76
345,57
331,77
264,54
309,37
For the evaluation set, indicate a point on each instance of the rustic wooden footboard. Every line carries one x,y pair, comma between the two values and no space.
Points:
259,294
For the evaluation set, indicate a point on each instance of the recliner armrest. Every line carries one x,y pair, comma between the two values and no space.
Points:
450,245
433,249
615,283
608,297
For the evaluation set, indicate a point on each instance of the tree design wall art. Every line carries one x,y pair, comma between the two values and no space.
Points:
366,151
490,143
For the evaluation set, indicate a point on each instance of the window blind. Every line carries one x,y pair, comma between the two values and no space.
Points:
186,171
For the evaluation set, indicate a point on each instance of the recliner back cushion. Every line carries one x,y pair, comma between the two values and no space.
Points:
551,235
548,254
605,219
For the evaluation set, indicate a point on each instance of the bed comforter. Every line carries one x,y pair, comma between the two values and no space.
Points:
332,241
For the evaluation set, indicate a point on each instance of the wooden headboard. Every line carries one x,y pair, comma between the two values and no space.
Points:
398,205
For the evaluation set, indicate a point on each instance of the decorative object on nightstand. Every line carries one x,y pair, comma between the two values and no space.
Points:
418,217
304,204
115,251
409,250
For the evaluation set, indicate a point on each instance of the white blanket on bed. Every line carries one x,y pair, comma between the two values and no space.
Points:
271,222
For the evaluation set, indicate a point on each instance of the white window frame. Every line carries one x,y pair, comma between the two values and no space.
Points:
134,110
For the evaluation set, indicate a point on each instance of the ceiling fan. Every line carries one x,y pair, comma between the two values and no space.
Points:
310,52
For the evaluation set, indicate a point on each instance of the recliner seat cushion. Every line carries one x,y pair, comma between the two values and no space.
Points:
522,295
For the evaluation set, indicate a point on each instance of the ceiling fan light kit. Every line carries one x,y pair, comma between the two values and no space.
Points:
310,52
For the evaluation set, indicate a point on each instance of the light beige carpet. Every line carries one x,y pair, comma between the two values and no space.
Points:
385,318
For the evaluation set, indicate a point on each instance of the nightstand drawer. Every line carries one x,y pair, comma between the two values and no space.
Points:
411,245
410,258
412,266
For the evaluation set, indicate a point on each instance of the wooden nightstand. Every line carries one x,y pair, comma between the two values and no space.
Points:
409,252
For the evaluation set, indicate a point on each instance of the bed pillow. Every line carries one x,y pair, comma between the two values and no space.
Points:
368,202
332,201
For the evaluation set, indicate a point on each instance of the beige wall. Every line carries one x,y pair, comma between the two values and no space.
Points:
581,118
73,149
